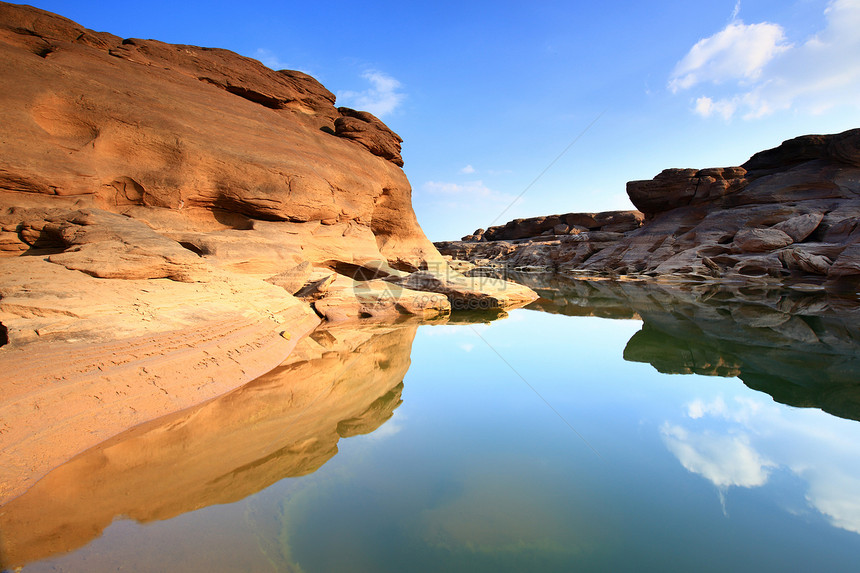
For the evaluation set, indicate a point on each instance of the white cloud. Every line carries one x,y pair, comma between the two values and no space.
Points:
467,192
382,98
753,70
472,188
390,428
699,408
269,59
738,52
467,170
837,496
706,107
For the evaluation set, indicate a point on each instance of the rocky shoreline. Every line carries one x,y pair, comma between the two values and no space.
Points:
173,221
790,214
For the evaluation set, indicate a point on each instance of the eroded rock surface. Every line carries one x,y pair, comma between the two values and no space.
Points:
788,214
160,206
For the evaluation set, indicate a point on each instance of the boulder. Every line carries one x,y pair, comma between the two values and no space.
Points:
468,293
801,259
760,240
366,129
292,280
801,226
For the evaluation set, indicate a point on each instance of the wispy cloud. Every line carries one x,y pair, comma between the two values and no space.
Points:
753,70
736,10
469,191
725,460
738,52
467,169
471,200
382,97
270,59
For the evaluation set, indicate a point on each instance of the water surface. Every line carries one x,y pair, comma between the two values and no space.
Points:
550,440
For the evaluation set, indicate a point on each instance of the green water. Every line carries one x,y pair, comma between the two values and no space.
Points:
531,444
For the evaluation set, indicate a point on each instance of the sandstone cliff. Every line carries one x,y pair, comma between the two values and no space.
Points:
789,214
160,206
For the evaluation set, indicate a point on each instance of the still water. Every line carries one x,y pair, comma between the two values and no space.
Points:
605,428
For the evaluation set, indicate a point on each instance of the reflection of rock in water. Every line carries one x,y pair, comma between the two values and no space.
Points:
340,382
802,348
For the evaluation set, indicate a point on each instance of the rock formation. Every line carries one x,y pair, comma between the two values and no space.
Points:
544,242
789,214
160,205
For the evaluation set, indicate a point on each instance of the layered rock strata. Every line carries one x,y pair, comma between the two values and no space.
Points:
173,219
788,214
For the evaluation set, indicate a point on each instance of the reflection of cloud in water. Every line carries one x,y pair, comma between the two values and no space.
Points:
723,460
454,329
742,440
389,429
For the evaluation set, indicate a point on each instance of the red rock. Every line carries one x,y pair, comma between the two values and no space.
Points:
157,187
366,129
141,124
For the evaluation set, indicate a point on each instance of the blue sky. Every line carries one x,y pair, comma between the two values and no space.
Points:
557,103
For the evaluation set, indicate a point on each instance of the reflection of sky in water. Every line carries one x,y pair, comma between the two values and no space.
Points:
475,473
740,441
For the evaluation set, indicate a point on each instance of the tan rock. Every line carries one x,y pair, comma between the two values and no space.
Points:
317,285
366,129
469,293
265,157
761,240
88,358
348,299
800,227
292,280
